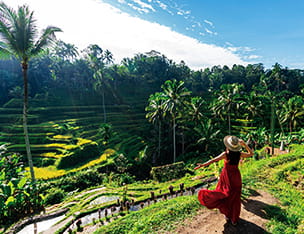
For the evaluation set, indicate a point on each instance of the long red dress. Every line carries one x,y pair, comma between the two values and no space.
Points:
227,195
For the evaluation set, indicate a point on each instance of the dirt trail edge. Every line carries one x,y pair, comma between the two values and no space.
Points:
253,218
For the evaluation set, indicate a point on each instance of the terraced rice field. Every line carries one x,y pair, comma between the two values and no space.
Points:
55,130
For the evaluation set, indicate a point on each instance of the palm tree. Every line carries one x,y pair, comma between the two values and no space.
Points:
18,34
175,94
292,112
207,133
193,115
228,101
196,109
253,106
66,51
108,57
155,114
98,59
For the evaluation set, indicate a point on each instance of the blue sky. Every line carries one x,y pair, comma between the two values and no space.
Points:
203,33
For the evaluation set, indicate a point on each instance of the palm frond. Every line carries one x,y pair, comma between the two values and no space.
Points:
4,52
7,16
47,37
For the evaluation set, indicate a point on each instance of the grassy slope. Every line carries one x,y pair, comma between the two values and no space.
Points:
164,215
281,175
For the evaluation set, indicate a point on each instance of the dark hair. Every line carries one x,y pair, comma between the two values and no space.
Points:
233,157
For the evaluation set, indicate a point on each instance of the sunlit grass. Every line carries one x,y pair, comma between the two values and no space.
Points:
65,137
52,172
51,155
102,158
82,141
47,172
278,175
56,145
157,218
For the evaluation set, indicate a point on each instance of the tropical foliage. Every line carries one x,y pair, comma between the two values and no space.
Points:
18,197
92,121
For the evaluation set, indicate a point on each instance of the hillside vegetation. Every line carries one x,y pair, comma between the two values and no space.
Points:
92,122
281,175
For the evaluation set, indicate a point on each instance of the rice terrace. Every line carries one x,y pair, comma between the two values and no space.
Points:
118,119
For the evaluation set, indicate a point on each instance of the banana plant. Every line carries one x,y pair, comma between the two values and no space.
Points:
18,197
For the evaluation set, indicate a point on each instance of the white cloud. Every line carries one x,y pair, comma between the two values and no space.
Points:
87,22
143,5
233,49
210,32
229,44
183,12
162,5
243,49
208,22
253,56
140,10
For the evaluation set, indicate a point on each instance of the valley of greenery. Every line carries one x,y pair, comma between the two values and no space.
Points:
100,129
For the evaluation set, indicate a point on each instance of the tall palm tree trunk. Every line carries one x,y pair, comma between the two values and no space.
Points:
272,126
25,130
183,142
104,107
159,138
290,126
174,146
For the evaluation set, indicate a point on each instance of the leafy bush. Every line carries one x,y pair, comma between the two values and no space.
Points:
117,180
18,196
85,179
67,183
168,172
80,180
54,196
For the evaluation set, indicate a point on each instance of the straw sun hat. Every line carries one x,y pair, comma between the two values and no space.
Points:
232,143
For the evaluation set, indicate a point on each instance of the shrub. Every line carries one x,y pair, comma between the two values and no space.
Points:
85,179
168,172
126,178
18,196
70,182
54,196
67,183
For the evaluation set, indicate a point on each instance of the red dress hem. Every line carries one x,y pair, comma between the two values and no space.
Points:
227,195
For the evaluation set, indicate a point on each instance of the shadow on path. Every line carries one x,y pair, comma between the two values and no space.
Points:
256,207
243,227
264,210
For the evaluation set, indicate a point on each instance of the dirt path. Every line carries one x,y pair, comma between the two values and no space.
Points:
253,218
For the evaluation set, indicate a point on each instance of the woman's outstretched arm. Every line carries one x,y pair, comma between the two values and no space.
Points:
218,158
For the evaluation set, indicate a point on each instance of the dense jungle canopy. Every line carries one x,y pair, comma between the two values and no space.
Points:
205,104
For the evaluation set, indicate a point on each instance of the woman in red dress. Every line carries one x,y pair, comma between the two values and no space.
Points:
227,195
